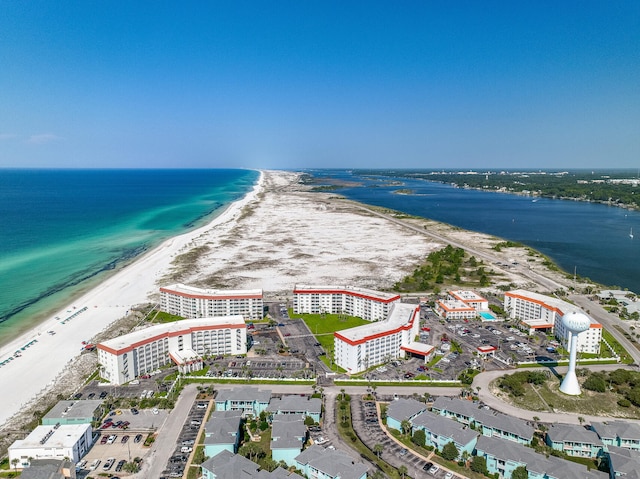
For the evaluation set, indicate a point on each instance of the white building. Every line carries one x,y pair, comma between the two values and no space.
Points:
126,357
192,302
537,311
362,347
52,442
461,304
470,298
363,303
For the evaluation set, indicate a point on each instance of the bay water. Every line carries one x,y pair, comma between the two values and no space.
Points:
588,238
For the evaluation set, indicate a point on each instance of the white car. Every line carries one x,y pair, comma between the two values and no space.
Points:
320,440
448,475
434,469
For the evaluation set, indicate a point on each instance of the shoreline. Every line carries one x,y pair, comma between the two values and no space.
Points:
90,312
278,235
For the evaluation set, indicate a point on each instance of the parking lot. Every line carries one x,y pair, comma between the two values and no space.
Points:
368,427
122,444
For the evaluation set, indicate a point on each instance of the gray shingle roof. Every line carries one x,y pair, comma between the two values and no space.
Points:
572,433
445,427
288,431
613,429
226,465
295,404
507,423
222,427
47,469
554,467
243,393
405,408
333,463
487,418
624,462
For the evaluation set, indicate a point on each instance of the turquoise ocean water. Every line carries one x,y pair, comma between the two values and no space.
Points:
62,231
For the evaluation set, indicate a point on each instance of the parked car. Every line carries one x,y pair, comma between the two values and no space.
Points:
138,438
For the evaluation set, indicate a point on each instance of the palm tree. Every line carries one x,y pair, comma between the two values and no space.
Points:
402,470
377,449
14,462
405,425
342,392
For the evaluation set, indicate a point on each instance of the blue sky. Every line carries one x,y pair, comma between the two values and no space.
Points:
306,84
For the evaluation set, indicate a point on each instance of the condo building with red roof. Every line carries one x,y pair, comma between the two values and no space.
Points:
192,302
363,303
184,343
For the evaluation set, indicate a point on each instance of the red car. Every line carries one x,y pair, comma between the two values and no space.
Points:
104,439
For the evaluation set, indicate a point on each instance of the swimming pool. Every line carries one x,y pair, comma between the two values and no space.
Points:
487,316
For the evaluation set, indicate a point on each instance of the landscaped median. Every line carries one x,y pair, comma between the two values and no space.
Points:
407,383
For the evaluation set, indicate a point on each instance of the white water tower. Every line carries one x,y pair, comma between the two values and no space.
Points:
576,323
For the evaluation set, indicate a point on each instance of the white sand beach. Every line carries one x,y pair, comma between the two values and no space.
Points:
278,235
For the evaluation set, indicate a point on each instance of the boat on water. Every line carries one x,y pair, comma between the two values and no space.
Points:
631,233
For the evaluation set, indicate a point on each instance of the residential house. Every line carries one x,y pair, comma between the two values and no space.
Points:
226,465
505,427
623,463
288,435
316,462
618,433
249,400
222,432
574,440
490,423
439,431
503,457
403,409
305,405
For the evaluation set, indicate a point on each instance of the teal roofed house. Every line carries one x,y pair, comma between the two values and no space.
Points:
618,433
248,400
574,440
222,432
403,409
503,457
316,462
74,412
305,405
288,435
439,431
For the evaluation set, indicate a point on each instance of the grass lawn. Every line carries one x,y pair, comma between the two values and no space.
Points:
323,327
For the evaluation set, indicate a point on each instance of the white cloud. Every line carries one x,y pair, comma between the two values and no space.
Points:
43,138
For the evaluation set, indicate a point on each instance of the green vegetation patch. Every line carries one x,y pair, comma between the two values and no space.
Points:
447,265
604,393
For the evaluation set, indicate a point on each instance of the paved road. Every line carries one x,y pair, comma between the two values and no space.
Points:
484,379
156,459
609,321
